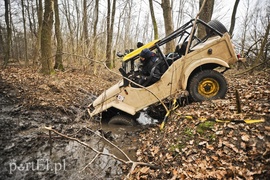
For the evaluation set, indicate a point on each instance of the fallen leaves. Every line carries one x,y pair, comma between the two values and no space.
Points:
245,137
61,90
230,148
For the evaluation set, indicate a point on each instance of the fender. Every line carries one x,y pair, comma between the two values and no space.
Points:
191,67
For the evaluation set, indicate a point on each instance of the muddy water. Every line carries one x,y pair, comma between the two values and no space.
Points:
27,152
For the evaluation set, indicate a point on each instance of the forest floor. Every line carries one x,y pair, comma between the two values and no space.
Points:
207,140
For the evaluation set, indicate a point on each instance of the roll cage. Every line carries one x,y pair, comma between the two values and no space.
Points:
183,33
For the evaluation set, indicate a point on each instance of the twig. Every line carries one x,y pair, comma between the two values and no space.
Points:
110,143
90,162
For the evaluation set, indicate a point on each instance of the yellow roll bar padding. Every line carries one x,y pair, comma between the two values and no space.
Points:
139,50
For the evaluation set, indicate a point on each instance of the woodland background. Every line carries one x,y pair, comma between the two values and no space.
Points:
58,34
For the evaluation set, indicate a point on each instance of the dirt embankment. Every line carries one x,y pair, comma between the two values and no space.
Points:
206,140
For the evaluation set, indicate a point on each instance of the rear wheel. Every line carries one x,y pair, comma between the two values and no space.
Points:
207,84
124,120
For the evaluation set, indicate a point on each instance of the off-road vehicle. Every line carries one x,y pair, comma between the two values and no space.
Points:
191,70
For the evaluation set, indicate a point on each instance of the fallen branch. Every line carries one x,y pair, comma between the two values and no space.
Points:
250,69
129,161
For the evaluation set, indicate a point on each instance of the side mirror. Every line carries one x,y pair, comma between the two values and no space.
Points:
119,54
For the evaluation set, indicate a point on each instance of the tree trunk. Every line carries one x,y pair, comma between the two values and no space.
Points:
9,32
110,22
59,51
138,30
68,15
205,15
119,29
38,40
29,17
2,48
85,23
46,41
25,36
112,65
168,22
95,34
244,28
108,45
233,16
263,45
153,19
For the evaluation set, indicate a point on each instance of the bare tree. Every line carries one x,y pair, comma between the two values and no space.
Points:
96,9
85,23
137,32
168,23
127,24
31,23
153,19
264,43
233,16
119,26
38,40
110,23
108,45
205,15
46,41
1,39
9,33
58,57
25,36
180,12
70,39
245,28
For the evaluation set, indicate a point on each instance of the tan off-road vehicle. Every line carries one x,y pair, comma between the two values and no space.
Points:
191,71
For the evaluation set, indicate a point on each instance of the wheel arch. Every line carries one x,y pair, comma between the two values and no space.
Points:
199,65
113,111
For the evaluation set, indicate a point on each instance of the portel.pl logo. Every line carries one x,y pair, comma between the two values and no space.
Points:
41,165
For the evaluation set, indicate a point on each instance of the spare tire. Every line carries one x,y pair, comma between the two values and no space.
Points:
215,24
124,120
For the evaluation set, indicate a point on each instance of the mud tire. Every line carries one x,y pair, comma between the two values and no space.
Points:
207,85
123,120
216,25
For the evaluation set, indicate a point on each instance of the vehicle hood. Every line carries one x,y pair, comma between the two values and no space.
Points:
111,92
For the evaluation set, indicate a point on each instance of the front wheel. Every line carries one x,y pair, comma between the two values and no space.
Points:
124,120
207,84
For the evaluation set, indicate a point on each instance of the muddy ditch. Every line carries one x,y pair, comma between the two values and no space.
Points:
28,152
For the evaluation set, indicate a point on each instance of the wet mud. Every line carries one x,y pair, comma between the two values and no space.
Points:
28,151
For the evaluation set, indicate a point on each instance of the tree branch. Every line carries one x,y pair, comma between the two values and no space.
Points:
129,161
